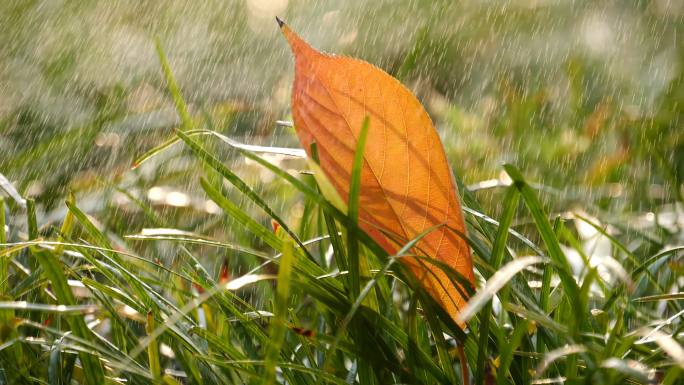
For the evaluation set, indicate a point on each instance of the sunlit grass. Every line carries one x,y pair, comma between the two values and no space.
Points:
111,284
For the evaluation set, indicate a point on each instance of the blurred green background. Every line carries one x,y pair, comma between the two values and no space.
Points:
586,97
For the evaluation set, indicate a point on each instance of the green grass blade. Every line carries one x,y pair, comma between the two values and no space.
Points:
549,237
174,90
308,270
205,156
661,297
52,269
151,153
651,260
507,348
510,204
366,290
4,262
278,326
319,199
357,167
153,348
353,211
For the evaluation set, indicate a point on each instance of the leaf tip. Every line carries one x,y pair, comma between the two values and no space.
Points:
297,45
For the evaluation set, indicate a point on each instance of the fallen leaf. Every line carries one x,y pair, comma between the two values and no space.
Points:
406,183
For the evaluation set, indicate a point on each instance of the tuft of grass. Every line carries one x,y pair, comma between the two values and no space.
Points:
87,293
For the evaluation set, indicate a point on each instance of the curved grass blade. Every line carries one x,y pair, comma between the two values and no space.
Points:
160,148
174,90
661,297
494,284
651,260
285,151
217,165
527,242
556,354
547,234
46,308
7,187
667,343
316,197
175,235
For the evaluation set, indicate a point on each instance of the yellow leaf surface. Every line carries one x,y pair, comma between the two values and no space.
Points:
406,184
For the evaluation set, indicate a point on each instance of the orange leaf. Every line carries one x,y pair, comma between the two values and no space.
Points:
406,183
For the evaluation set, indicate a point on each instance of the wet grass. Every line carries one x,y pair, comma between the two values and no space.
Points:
116,290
